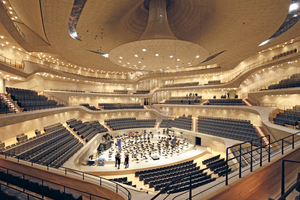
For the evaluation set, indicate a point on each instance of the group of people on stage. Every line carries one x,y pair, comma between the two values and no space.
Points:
192,95
173,141
118,160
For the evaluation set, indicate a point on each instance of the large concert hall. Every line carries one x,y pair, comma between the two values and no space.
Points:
149,99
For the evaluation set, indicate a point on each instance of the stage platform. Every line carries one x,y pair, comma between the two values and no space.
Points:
110,169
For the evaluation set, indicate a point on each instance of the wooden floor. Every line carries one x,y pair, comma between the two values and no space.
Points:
264,182
63,180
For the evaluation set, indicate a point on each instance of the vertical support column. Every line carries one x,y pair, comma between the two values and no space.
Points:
2,85
240,164
190,193
282,178
261,148
282,146
251,163
226,182
269,157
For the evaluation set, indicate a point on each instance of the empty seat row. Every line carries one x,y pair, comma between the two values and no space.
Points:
292,81
209,160
288,117
182,84
112,106
225,102
229,128
131,123
86,130
180,122
30,100
32,142
35,185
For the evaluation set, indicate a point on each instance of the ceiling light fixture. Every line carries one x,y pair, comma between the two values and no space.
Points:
160,43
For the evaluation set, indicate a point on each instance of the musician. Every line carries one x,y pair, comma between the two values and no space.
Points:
126,163
173,142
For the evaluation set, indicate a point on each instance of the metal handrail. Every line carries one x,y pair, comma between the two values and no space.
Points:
43,180
268,144
274,81
14,63
263,159
283,193
167,187
117,187
13,188
15,24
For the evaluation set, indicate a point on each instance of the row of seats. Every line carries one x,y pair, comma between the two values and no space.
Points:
182,101
218,166
52,127
30,143
112,106
160,177
130,123
293,81
8,192
86,130
123,180
35,185
210,160
180,122
54,151
138,173
186,97
229,128
246,154
184,172
182,84
166,123
29,100
288,117
50,158
141,92
128,91
3,108
164,173
226,102
186,185
53,148
67,90
121,91
228,120
213,82
90,107
285,54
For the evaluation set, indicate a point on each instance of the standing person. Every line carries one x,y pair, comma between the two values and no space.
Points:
173,142
118,160
126,163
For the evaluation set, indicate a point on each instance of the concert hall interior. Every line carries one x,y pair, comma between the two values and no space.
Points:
149,99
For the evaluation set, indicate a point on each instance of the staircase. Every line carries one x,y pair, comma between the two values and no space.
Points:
106,126
262,134
12,105
157,124
73,133
205,101
247,102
